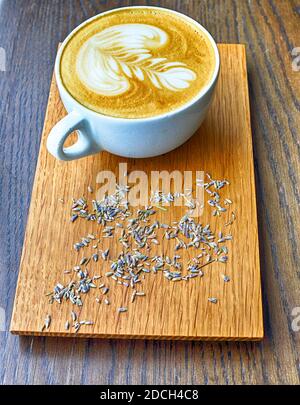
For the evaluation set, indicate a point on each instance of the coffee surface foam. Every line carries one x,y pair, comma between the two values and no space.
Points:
137,63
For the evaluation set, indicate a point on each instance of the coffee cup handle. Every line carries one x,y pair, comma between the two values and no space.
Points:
85,144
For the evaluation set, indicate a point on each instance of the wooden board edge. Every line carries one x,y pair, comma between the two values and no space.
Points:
256,337
254,193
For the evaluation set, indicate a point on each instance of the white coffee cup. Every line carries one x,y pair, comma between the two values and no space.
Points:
128,137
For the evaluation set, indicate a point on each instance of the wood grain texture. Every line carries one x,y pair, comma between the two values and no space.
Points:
29,32
169,310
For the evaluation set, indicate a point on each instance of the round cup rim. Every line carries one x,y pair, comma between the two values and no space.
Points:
169,114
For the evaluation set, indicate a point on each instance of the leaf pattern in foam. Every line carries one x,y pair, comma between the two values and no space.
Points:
108,60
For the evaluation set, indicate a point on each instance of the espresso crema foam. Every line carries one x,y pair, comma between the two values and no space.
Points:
137,63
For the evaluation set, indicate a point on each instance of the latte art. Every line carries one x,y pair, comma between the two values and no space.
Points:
137,62
108,60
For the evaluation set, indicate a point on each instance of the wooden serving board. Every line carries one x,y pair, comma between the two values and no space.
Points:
181,310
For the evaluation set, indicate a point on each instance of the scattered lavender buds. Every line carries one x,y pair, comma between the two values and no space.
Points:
122,309
226,278
137,234
213,187
213,300
47,321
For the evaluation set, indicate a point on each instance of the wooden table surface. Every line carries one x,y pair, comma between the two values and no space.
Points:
29,33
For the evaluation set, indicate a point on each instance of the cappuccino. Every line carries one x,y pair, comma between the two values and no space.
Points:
137,63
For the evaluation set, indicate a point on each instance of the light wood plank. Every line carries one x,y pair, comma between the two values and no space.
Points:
222,147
